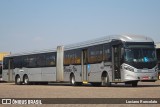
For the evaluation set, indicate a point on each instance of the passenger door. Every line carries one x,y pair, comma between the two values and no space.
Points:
11,73
84,65
116,62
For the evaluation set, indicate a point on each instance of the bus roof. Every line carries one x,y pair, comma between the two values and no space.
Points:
125,38
31,52
105,39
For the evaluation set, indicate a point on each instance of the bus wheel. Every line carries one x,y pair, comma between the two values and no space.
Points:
26,80
73,82
72,79
18,80
105,80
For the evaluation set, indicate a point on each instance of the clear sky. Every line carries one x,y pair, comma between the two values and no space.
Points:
27,25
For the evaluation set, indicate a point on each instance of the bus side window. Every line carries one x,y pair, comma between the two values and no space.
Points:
95,54
41,60
51,59
5,63
32,61
106,52
77,57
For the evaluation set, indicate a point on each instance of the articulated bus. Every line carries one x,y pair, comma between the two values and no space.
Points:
101,62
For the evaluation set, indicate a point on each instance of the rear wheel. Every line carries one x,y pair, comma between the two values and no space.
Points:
26,80
72,80
18,80
105,80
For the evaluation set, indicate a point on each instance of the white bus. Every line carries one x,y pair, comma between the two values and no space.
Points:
111,59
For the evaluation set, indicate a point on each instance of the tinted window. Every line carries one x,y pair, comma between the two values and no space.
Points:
106,52
32,61
50,59
69,57
95,54
72,57
5,63
41,60
77,56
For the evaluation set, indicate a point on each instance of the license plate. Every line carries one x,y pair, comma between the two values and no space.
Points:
145,78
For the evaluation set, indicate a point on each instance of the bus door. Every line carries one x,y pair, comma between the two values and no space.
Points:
116,59
10,70
84,66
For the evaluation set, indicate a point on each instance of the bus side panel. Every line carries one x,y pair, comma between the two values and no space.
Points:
95,72
78,74
8,75
76,70
66,74
5,75
34,74
49,74
20,72
108,69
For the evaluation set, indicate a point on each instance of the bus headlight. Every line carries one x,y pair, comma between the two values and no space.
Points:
129,68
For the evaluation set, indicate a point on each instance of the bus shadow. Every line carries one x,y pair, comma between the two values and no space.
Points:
89,85
130,86
112,86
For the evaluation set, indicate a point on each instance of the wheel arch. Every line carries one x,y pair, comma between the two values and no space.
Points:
71,74
24,76
17,75
106,73
18,82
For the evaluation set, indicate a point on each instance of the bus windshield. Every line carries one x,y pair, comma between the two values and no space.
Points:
140,55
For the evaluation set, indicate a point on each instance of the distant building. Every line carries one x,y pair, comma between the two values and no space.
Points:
2,54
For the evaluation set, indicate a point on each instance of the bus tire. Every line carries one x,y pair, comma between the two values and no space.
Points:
18,80
105,80
26,80
72,80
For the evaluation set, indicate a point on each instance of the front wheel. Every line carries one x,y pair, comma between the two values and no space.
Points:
18,80
105,81
72,80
